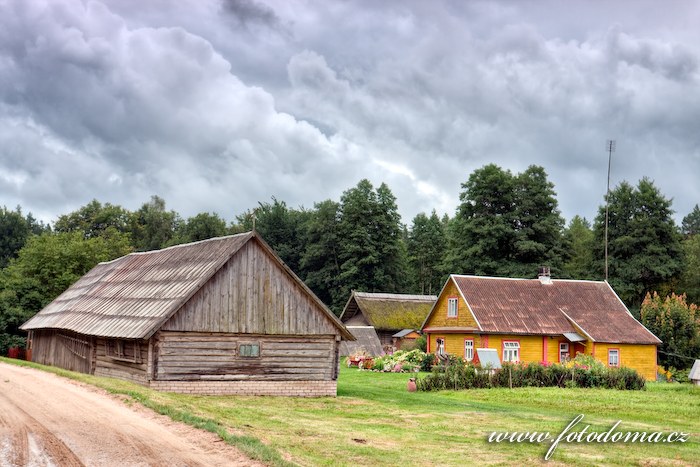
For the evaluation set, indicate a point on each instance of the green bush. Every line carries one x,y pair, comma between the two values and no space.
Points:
422,343
680,376
455,373
401,360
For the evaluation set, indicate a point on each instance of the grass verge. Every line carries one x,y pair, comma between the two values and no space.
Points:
375,421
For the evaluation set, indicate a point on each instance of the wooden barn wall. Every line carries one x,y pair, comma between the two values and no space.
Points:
114,368
251,294
209,356
63,349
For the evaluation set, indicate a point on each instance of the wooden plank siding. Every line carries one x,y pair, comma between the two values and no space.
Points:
215,356
439,318
65,349
117,368
641,357
251,294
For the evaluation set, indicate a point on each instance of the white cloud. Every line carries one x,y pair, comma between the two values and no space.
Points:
218,105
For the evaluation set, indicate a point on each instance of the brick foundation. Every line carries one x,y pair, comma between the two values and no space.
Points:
249,388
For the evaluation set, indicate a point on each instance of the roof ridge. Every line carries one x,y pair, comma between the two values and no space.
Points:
472,276
394,296
181,245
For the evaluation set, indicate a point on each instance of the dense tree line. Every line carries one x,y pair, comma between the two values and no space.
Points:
507,224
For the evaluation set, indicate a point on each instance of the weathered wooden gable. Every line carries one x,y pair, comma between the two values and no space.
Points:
252,294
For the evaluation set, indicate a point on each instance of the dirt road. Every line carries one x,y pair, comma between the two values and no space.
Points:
48,420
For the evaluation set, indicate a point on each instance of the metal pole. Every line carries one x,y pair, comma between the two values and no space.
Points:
610,147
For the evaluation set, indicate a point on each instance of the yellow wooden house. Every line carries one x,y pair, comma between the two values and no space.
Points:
538,320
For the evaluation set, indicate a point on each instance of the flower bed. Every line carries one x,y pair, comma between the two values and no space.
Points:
403,361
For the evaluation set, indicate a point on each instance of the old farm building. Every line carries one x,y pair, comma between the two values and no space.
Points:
221,316
376,319
538,320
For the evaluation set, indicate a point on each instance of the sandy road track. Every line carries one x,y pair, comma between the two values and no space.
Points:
48,420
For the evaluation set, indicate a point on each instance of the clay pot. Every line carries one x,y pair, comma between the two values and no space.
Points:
411,385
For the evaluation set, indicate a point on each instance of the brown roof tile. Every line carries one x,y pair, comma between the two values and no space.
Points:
527,306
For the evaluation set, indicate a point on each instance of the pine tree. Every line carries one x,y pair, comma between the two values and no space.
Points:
426,248
644,250
691,222
320,264
371,253
578,238
481,235
505,225
538,224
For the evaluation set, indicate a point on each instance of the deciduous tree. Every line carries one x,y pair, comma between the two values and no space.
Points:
152,227
15,229
677,324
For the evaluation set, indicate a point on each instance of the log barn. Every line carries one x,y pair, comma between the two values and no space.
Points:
220,316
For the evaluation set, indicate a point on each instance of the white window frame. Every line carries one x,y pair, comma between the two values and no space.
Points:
452,306
511,351
616,361
440,346
469,349
562,346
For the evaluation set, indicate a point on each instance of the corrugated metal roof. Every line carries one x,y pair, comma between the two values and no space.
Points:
387,311
403,332
527,306
574,337
132,296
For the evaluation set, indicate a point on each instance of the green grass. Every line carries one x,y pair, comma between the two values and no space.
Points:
375,421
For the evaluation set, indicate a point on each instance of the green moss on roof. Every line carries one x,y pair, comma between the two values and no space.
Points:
395,313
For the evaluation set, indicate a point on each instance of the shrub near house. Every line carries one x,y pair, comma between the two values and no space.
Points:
584,371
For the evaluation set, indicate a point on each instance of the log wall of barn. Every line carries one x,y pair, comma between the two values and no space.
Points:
252,294
216,356
133,366
63,349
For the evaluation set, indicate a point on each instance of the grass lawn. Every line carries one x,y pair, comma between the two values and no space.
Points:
375,421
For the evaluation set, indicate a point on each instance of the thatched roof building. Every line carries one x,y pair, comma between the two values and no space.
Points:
387,313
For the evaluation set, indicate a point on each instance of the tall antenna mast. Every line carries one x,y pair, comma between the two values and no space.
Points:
610,147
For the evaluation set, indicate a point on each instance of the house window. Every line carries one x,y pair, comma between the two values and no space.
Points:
440,346
563,351
469,350
120,349
511,351
613,357
250,350
451,307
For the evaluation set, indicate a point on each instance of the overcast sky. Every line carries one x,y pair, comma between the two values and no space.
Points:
216,105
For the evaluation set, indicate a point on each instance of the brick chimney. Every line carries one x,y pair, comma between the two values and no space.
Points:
544,275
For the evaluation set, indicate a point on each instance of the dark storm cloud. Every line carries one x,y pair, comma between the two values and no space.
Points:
248,11
217,105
